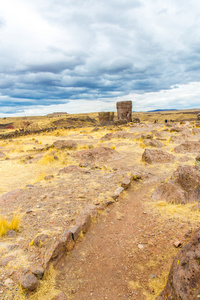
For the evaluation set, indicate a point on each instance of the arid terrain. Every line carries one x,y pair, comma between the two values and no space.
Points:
48,178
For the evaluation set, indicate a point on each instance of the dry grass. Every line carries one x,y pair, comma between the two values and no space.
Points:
186,212
6,225
46,291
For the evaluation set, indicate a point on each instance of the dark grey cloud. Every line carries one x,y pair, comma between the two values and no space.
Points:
57,51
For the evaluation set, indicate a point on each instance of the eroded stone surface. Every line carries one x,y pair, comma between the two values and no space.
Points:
184,276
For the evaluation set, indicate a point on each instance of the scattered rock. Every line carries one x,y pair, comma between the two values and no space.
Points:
5,261
60,296
126,183
64,144
40,240
38,271
183,280
48,177
170,192
152,156
140,246
10,196
184,159
196,131
147,136
177,244
11,233
153,143
8,282
98,153
188,147
71,169
188,178
117,135
29,282
183,187
117,192
136,120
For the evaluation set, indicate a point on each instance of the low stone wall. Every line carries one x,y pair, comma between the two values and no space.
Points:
67,240
124,110
106,118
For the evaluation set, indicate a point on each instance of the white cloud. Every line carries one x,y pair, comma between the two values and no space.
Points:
56,51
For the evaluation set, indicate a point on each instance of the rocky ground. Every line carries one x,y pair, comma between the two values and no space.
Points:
128,251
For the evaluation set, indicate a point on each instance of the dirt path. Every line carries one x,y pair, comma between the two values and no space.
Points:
124,255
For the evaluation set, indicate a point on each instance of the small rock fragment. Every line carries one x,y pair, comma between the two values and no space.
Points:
117,192
38,271
140,246
177,244
29,282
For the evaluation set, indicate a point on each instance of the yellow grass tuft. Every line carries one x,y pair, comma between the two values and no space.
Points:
6,225
133,285
182,212
47,159
31,243
46,290
156,284
40,176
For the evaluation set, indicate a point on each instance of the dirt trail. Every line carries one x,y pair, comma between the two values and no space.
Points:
123,251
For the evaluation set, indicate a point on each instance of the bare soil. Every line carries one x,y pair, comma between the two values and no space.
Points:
129,248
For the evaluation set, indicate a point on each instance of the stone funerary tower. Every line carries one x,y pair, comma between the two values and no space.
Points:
124,110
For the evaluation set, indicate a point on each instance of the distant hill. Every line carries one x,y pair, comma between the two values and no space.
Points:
161,110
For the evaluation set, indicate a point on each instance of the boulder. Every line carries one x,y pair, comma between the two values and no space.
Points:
183,187
97,154
152,156
188,178
118,135
64,144
196,131
169,192
153,143
184,276
198,116
188,147
29,282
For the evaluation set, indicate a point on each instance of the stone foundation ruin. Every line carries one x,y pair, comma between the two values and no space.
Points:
124,111
106,118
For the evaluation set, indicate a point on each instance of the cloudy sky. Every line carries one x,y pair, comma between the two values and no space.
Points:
84,55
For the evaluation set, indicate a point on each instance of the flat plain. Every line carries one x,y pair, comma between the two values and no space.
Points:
47,178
